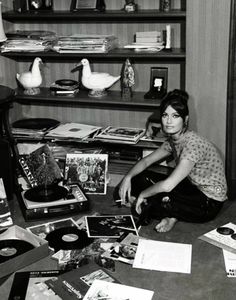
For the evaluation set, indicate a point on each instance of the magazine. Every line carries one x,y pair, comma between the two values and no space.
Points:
223,237
109,290
74,284
123,250
88,170
110,226
126,134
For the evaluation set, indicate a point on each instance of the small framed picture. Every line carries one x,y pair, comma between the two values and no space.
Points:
77,5
158,83
45,5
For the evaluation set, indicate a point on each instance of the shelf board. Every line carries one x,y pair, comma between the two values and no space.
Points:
113,99
173,55
174,15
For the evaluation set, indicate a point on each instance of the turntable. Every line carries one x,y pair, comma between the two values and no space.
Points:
53,200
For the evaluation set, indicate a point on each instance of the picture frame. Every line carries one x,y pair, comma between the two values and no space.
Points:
40,5
158,83
93,5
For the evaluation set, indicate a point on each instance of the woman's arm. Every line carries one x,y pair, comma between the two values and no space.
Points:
181,171
141,165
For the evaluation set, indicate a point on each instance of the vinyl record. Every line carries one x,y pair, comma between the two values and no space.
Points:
66,82
12,248
46,194
36,123
68,238
225,230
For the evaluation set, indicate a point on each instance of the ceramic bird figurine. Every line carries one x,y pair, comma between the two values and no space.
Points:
96,82
31,80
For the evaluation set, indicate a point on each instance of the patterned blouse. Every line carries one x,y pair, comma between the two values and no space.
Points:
208,172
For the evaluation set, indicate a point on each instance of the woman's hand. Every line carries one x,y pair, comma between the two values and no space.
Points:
125,189
139,202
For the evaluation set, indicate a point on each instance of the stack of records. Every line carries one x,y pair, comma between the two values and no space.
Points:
85,44
29,41
124,135
72,131
33,128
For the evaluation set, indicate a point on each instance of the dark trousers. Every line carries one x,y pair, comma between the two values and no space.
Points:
187,203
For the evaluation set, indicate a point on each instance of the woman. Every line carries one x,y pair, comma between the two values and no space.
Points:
196,188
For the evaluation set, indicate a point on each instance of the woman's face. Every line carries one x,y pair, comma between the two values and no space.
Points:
172,122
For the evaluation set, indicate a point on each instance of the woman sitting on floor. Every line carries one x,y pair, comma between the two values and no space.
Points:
196,188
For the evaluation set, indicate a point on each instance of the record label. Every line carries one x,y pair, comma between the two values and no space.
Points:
12,248
68,238
225,230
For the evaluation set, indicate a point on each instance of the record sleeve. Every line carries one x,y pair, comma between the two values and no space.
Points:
41,168
110,226
31,285
88,170
74,284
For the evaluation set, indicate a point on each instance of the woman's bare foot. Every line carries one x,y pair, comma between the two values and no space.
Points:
166,224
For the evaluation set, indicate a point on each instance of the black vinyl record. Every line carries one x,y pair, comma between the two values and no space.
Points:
225,230
35,123
66,82
46,194
68,238
12,248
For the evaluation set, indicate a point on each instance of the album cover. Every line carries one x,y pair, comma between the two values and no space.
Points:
124,250
74,284
31,285
43,230
88,170
223,237
73,131
110,290
41,168
110,226
5,213
126,134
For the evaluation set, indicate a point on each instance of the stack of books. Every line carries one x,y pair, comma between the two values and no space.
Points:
86,44
147,40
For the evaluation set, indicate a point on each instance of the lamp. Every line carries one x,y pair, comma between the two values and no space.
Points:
3,37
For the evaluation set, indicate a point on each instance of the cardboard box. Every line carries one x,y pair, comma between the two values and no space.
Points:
41,250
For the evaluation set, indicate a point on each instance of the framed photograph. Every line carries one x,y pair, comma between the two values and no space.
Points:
87,170
45,5
77,5
158,83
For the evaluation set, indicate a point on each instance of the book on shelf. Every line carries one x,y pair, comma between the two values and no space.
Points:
148,40
74,284
121,134
144,34
157,46
88,170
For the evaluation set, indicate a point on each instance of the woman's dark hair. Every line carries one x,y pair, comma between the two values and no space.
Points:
178,100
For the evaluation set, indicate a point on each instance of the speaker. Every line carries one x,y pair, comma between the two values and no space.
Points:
6,168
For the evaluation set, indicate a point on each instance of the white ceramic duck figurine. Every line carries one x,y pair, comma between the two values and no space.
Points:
95,81
32,79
